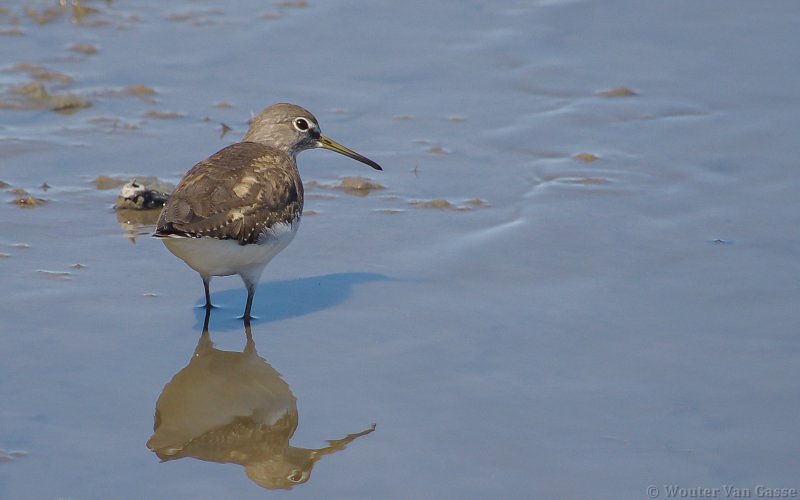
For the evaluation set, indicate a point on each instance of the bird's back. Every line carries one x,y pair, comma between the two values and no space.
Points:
236,194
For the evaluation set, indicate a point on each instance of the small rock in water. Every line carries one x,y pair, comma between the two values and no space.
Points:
136,196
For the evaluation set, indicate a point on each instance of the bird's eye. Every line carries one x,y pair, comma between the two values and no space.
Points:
301,124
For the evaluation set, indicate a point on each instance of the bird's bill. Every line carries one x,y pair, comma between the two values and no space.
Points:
327,143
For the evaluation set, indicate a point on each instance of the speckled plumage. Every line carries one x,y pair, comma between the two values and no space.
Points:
237,194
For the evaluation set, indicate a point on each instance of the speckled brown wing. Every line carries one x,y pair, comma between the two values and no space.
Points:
235,194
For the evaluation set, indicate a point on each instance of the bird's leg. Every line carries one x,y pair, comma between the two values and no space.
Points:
206,282
251,290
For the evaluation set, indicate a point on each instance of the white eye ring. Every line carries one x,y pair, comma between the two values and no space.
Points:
302,124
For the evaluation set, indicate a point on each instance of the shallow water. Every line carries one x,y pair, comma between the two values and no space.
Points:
591,327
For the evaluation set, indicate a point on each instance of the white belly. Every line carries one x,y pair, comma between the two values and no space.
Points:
213,257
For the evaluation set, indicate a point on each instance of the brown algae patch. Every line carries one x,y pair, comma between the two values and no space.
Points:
143,92
46,16
355,186
442,204
34,96
78,12
111,124
164,115
587,181
358,186
439,203
8,18
27,202
586,157
83,48
292,4
477,202
195,17
41,74
617,92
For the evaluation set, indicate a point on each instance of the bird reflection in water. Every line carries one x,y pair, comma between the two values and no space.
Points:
233,407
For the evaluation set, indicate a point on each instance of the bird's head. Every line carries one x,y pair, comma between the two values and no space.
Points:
292,129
